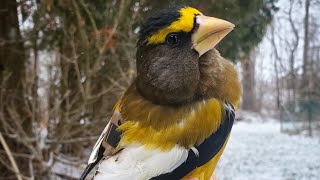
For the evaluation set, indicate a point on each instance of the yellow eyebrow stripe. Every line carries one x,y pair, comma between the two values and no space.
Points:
184,23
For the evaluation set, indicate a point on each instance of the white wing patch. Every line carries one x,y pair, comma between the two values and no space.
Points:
135,162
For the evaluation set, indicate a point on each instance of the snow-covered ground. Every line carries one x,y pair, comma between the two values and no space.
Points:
258,151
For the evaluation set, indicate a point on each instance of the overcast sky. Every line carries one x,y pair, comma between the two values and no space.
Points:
283,32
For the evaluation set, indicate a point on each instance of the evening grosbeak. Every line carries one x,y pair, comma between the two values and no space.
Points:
174,120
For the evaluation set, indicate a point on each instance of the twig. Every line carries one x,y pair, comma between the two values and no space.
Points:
66,141
21,155
11,158
116,83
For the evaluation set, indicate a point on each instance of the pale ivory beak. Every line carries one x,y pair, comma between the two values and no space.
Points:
209,33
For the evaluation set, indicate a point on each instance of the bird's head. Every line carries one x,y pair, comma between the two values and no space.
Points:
171,45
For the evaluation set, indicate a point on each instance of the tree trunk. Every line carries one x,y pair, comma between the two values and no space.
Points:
306,64
248,83
275,64
12,75
12,56
294,44
12,62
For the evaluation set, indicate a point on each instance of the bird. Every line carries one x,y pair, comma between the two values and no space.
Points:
174,120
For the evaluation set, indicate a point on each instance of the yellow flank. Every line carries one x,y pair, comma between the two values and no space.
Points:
164,127
205,171
184,23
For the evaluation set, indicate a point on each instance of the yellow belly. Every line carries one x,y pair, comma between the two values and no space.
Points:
205,171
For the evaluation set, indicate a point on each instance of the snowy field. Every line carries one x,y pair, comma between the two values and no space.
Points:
258,151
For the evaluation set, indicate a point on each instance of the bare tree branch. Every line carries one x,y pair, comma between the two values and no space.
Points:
11,158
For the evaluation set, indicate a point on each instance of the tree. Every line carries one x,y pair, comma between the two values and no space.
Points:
12,57
13,115
307,69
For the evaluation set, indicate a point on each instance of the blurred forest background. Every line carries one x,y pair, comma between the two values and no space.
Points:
64,63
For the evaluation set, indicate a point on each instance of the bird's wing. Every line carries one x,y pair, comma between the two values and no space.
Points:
106,144
137,162
94,154
207,152
132,162
108,139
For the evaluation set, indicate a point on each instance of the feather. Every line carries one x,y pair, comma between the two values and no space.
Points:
94,153
135,162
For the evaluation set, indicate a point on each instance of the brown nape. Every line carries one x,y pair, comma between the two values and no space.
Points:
218,78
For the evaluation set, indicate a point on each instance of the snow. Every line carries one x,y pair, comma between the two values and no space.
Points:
66,170
257,150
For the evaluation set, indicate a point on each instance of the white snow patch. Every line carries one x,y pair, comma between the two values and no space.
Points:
258,150
66,170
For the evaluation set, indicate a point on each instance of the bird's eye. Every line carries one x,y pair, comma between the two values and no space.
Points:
172,39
